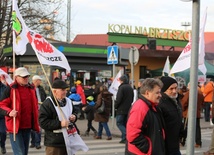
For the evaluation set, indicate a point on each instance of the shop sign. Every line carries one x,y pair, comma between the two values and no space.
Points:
151,32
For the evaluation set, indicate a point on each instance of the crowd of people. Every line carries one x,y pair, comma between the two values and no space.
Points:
152,118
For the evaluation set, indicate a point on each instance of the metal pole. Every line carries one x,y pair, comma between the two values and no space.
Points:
132,67
113,102
193,77
68,21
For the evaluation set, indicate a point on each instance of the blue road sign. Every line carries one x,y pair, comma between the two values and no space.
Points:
112,55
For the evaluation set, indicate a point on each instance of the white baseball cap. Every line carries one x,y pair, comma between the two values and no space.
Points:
36,77
21,71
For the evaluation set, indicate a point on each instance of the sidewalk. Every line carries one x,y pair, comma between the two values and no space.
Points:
82,125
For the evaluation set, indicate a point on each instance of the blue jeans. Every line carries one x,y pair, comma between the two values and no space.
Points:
207,111
35,138
3,133
21,144
121,124
105,126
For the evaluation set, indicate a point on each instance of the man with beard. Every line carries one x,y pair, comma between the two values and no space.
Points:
172,113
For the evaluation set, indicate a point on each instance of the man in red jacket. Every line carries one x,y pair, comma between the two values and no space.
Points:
145,132
19,103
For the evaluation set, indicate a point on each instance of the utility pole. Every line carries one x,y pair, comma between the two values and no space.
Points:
68,21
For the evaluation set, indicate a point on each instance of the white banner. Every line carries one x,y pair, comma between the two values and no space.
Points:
115,84
19,31
166,68
183,61
47,53
7,77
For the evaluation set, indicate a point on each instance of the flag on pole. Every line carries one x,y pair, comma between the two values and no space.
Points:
20,39
185,56
6,76
166,68
47,53
115,84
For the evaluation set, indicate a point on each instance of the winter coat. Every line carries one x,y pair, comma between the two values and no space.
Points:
49,121
185,103
208,92
89,110
172,114
80,91
124,99
42,93
104,117
7,105
145,129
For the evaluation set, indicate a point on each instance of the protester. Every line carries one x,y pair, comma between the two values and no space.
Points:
76,100
3,133
124,99
89,110
41,96
172,113
54,123
145,132
208,96
104,117
134,91
80,91
139,85
185,105
24,109
97,89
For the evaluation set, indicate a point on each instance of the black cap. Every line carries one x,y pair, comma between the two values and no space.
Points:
59,84
167,82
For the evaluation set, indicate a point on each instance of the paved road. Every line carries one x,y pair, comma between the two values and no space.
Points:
113,147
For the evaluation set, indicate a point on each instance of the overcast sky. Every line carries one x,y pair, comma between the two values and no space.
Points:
93,16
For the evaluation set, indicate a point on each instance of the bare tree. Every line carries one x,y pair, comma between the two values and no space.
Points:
39,15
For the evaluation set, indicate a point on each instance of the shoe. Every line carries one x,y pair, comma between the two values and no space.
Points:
109,138
98,137
38,147
208,153
3,150
32,146
123,142
95,133
86,133
197,146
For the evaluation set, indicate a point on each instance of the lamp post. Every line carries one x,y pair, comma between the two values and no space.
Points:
68,21
193,76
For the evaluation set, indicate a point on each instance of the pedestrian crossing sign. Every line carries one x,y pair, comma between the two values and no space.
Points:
112,55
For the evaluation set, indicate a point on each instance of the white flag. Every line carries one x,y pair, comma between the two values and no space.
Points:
19,31
7,77
183,61
166,68
115,84
47,53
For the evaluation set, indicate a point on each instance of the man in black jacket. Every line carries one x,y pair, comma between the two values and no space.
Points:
52,122
41,96
172,113
124,99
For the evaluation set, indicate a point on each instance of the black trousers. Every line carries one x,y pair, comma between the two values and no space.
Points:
197,133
